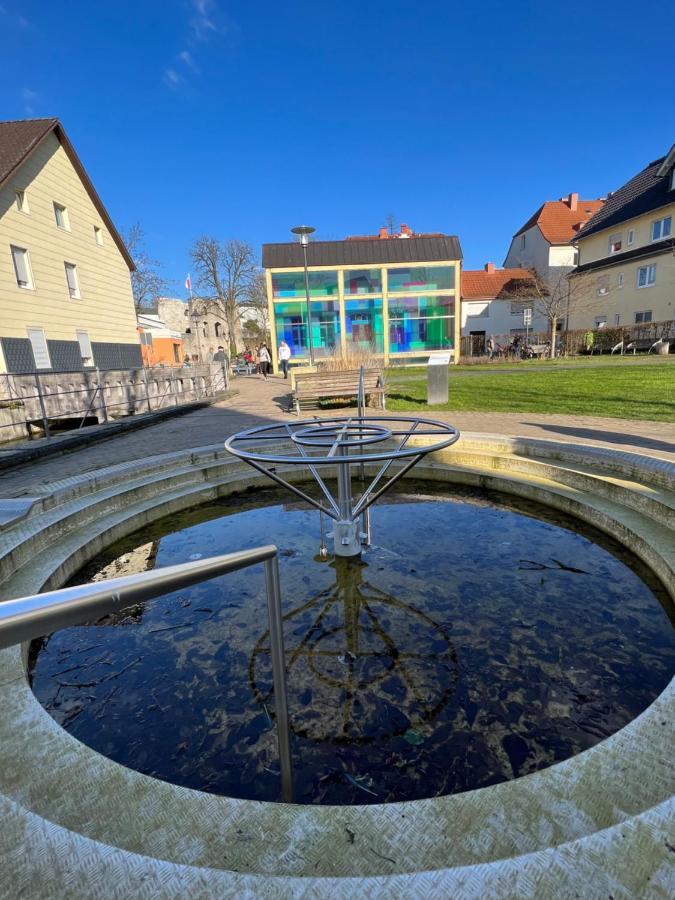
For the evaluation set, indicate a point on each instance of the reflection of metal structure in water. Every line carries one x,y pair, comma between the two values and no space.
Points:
362,650
343,442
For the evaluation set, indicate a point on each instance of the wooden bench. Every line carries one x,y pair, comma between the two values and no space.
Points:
311,387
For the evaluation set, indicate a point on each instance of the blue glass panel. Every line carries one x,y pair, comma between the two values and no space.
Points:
421,324
363,281
363,324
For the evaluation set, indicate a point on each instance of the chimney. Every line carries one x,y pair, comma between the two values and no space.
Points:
383,233
573,201
405,231
489,267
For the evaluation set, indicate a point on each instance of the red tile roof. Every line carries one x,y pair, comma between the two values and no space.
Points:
482,285
558,222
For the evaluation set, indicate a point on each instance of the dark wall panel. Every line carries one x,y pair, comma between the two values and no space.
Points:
117,356
18,355
65,356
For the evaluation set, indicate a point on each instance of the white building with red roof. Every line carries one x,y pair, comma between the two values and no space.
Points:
545,241
493,302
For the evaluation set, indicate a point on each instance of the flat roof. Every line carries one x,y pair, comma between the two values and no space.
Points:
444,248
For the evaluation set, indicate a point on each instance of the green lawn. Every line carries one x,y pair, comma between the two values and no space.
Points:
622,392
563,362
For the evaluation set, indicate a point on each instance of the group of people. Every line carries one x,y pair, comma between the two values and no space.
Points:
217,356
262,359
516,349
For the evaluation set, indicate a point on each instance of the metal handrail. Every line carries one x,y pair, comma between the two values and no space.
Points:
213,384
361,399
30,617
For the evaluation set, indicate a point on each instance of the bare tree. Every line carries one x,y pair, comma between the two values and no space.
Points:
256,300
146,281
225,271
555,296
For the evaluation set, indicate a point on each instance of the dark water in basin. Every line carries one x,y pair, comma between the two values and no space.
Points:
474,643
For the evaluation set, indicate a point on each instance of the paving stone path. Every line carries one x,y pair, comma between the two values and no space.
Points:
258,401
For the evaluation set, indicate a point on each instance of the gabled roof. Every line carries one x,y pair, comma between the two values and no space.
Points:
498,284
558,222
346,253
20,139
648,190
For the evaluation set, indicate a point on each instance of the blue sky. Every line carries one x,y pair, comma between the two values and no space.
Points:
241,119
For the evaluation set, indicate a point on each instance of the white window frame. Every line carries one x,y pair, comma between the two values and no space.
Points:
619,280
30,284
21,201
75,293
643,312
98,235
661,222
617,318
32,330
60,208
650,270
85,344
630,240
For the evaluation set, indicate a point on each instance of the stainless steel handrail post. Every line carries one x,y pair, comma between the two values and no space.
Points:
279,677
361,402
29,617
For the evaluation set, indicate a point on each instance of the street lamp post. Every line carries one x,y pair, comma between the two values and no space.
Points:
304,231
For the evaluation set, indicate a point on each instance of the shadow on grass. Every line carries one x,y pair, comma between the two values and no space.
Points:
616,437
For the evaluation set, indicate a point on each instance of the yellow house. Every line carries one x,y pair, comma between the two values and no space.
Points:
626,264
395,297
65,289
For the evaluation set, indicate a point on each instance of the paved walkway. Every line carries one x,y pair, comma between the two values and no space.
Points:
258,401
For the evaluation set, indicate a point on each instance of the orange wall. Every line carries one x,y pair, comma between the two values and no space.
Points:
162,352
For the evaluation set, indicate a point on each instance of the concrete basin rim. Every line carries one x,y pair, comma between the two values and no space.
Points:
523,783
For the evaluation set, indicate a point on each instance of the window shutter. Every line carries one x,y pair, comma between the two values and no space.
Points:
85,345
36,336
70,277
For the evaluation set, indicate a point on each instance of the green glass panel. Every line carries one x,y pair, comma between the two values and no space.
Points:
292,284
421,278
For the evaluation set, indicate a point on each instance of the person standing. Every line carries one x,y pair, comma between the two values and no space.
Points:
491,347
284,357
265,360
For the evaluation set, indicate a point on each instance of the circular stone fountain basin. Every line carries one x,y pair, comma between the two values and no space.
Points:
478,639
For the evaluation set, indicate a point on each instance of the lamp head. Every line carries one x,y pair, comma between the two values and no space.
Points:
304,231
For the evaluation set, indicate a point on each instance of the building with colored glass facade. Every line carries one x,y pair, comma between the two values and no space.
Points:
395,297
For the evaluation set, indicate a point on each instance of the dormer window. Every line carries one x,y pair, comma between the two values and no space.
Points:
522,241
672,179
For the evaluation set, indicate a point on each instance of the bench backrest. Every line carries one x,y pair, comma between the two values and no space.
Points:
349,380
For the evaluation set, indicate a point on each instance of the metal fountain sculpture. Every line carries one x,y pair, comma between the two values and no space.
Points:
343,443
336,446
